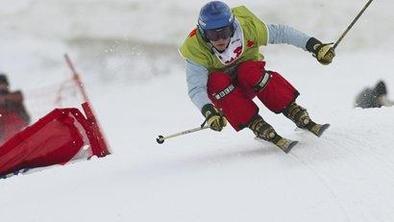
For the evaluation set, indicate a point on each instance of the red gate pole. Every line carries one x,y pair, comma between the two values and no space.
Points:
99,145
77,78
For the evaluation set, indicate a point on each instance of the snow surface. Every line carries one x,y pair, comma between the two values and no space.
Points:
137,85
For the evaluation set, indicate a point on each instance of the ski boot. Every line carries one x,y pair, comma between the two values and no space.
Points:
300,117
264,131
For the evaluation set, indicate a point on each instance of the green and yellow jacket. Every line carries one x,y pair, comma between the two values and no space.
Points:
201,59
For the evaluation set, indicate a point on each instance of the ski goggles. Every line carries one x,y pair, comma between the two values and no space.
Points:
221,33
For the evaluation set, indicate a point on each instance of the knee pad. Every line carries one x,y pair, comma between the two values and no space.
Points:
237,108
277,93
218,82
250,73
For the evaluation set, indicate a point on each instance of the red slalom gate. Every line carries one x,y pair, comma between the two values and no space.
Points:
63,135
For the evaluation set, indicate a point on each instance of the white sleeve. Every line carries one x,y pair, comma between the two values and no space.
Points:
197,79
279,34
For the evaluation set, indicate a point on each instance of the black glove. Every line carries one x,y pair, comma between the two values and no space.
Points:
214,118
324,52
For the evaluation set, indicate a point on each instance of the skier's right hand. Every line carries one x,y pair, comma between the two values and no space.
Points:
214,118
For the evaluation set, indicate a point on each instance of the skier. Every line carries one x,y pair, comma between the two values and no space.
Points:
225,71
375,97
13,115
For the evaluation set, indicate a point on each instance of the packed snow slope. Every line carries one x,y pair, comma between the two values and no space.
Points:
347,175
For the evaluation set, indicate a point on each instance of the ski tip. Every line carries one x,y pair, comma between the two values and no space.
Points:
291,145
322,129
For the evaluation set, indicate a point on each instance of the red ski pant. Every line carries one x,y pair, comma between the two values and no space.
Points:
235,96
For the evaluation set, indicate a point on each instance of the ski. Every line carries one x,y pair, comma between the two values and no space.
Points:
317,129
282,143
285,144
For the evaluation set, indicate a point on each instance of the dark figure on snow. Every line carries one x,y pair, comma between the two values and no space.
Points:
225,71
13,115
373,97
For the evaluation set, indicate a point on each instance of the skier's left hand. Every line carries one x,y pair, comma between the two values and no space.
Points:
324,52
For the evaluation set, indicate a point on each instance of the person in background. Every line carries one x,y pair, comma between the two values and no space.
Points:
375,97
13,114
225,71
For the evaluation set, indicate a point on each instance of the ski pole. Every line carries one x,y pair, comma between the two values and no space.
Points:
160,139
352,23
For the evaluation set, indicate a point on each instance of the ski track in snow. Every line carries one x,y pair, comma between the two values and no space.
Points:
365,161
325,184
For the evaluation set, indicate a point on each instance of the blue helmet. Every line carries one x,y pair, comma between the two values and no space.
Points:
214,15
